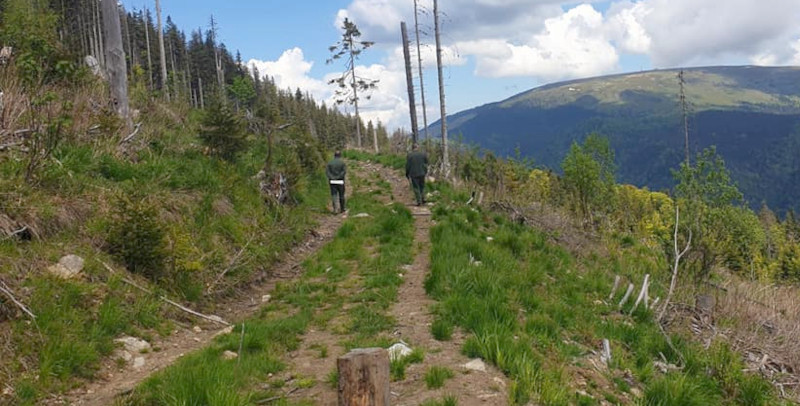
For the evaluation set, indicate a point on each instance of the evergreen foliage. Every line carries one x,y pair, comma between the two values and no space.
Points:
223,131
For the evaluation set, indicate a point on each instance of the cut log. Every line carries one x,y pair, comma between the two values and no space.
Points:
364,377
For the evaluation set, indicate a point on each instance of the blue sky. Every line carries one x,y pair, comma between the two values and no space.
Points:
495,48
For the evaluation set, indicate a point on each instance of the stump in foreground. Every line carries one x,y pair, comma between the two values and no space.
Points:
364,377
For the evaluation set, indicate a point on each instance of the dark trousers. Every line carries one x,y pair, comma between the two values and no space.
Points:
337,190
418,184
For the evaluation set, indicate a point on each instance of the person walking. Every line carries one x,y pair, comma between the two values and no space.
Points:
336,171
416,170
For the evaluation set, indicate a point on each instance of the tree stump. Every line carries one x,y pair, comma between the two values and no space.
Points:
364,377
704,305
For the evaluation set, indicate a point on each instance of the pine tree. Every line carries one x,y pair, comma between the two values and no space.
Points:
348,85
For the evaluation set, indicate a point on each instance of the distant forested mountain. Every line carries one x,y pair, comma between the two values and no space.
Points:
752,115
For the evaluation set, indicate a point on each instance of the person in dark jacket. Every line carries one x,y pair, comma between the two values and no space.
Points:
336,171
416,170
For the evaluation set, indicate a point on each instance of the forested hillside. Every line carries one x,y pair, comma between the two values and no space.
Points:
749,113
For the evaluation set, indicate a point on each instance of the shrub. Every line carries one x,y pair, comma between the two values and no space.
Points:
223,132
136,238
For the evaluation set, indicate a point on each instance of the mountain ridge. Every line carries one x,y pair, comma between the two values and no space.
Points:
751,113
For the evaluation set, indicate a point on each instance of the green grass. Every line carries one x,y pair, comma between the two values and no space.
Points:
436,376
532,309
388,160
204,212
447,400
397,367
364,252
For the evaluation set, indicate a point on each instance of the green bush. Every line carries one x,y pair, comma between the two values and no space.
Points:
223,132
136,238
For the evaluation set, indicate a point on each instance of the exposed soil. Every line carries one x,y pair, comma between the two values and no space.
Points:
413,320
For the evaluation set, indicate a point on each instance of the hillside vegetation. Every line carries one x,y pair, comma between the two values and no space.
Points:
750,113
190,203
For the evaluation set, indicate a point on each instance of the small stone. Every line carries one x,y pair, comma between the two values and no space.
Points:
226,330
73,263
399,351
266,298
489,239
475,365
196,339
89,392
197,329
138,362
123,355
362,215
499,381
229,355
134,345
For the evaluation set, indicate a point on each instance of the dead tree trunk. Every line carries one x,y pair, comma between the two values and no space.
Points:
685,111
149,57
116,68
364,378
412,106
677,260
443,110
162,52
421,82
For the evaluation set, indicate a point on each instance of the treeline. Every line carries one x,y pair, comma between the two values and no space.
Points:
52,40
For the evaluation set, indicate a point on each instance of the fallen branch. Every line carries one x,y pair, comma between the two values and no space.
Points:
215,319
274,398
133,134
9,145
7,291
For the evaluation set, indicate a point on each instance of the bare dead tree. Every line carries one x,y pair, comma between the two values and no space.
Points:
412,106
685,111
419,63
217,59
116,67
443,110
677,260
162,52
149,57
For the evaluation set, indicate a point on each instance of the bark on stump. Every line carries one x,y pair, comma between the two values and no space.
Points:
364,378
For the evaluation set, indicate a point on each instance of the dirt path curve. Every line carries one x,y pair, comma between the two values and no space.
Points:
413,321
114,380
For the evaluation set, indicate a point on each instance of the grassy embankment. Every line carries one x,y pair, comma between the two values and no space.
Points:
182,215
539,314
346,289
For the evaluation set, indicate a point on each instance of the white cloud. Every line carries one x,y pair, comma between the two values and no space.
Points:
291,71
570,45
625,27
713,31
